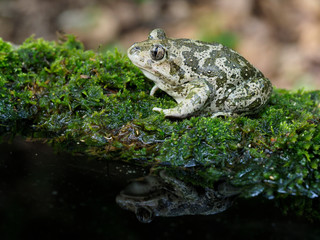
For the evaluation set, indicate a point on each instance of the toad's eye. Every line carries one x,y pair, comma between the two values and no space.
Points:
157,52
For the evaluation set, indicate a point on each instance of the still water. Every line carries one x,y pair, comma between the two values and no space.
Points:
48,195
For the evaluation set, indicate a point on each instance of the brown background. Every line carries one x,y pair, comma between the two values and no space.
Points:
281,38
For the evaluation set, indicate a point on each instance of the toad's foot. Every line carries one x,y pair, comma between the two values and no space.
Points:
153,90
224,114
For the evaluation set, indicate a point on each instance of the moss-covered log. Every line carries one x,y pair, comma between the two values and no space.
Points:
98,104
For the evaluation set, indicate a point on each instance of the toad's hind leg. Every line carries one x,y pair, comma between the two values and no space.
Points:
250,97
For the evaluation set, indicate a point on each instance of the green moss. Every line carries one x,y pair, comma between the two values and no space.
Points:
59,88
275,152
99,104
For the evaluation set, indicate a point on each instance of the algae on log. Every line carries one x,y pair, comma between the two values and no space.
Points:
98,104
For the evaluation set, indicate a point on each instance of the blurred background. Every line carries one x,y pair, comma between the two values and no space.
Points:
281,38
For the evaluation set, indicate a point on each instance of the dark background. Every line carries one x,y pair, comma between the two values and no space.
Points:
47,195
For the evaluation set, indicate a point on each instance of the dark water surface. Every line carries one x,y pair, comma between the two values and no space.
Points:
47,195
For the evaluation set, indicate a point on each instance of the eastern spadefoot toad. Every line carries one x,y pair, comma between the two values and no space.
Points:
204,78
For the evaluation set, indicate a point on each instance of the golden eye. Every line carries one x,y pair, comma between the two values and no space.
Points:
157,52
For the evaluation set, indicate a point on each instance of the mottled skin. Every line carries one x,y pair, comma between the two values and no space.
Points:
202,77
166,196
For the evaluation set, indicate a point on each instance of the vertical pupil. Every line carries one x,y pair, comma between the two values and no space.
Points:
155,52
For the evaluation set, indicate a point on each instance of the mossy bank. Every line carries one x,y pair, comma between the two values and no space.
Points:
98,104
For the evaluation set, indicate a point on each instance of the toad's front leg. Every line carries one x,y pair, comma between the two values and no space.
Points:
198,93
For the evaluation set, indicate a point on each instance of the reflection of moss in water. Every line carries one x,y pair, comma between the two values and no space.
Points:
98,104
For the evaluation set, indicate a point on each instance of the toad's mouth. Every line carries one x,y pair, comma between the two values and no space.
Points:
151,75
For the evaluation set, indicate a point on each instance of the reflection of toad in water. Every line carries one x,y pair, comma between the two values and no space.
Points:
164,195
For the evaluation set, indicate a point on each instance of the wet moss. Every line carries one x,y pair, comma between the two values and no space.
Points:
98,104
63,91
275,152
